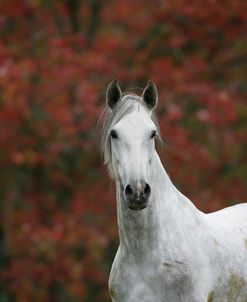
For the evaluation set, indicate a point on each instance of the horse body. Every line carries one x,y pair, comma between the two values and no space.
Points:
170,251
173,252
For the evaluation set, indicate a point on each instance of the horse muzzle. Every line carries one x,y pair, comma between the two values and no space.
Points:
137,195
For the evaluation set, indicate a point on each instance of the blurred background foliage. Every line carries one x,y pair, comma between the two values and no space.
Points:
58,232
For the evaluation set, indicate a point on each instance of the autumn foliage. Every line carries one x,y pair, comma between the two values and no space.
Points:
58,232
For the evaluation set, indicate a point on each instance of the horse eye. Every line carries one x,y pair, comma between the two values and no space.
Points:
153,134
114,134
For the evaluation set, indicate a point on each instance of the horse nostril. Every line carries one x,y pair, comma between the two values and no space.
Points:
147,190
132,195
128,191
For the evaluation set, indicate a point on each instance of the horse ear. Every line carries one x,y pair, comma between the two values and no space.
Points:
150,95
113,94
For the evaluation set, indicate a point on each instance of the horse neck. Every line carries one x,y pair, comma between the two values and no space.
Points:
165,219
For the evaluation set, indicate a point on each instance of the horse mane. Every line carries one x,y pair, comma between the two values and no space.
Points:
111,117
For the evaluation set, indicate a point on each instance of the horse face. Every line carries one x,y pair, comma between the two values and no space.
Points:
132,145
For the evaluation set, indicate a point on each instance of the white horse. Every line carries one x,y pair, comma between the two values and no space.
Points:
169,250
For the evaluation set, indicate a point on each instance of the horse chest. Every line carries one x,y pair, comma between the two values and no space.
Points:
141,281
